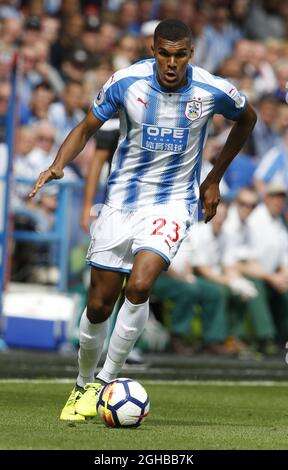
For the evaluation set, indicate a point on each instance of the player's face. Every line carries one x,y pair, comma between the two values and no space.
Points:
172,58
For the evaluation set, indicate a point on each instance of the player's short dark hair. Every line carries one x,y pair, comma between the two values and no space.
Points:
173,30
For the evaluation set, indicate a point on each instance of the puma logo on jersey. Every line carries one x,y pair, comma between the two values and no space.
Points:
143,102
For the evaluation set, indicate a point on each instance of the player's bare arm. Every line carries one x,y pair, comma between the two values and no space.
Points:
209,189
71,147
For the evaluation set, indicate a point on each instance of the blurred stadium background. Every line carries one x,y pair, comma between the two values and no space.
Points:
55,55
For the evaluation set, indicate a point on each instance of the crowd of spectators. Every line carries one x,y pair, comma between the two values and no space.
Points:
66,51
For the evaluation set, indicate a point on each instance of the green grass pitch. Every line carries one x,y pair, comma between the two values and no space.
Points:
183,415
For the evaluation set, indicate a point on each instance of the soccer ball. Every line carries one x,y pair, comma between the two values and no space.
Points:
123,403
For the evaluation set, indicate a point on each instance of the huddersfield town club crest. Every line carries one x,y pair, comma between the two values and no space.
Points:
193,110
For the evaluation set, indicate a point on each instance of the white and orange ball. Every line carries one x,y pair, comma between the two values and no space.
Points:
123,403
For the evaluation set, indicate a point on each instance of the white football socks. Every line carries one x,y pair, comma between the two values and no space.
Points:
130,323
92,337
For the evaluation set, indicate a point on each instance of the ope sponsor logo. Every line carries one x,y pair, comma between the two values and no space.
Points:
164,139
165,131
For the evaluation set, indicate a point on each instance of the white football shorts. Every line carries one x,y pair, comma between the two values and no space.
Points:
118,235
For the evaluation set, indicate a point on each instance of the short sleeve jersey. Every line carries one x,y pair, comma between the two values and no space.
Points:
162,133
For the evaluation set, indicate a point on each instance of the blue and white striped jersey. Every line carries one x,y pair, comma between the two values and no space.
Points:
162,133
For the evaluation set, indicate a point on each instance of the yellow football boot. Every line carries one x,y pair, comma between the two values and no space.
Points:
69,412
86,405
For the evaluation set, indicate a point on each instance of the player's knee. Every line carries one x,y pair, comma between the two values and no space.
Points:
98,311
137,291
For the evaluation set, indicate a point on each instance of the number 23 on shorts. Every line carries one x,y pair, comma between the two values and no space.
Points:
172,229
